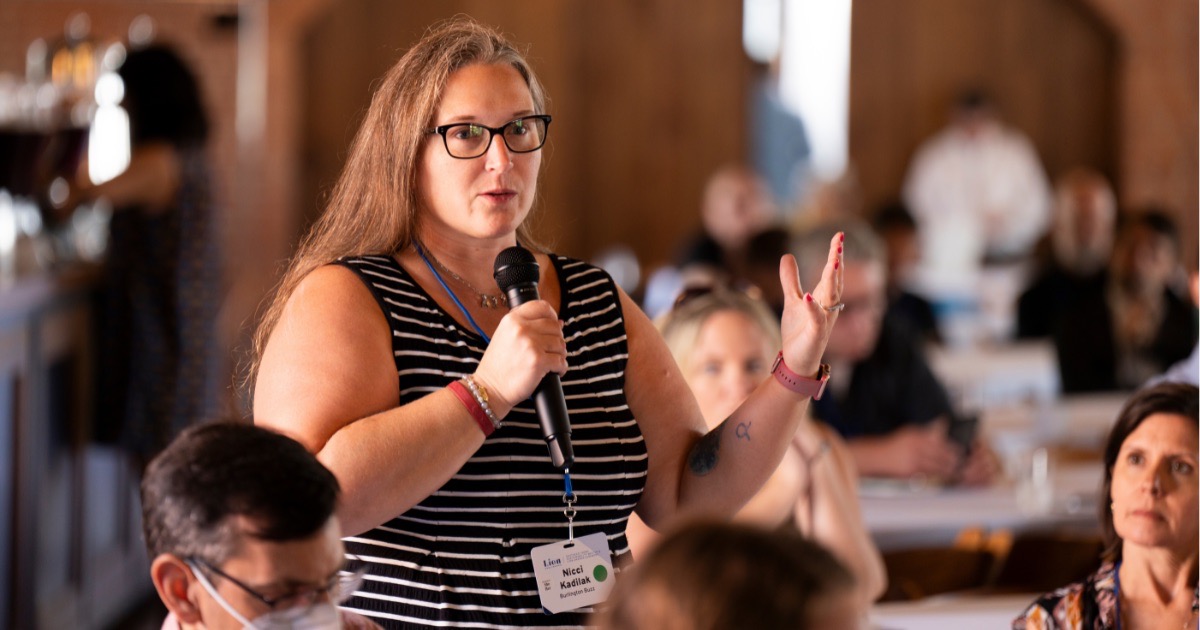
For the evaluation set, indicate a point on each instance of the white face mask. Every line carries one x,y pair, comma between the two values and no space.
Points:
323,616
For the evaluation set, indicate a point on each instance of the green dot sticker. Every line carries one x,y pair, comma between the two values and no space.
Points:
600,573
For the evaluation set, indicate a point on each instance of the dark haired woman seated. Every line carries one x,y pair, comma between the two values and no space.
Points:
1148,579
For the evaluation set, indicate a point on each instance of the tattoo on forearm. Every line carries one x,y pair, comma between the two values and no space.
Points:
742,432
704,454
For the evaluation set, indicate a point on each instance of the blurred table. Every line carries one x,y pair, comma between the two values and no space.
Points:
986,376
1078,421
951,612
904,514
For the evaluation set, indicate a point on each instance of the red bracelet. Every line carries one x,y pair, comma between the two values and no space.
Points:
472,405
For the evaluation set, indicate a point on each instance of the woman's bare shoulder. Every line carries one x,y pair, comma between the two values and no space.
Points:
328,360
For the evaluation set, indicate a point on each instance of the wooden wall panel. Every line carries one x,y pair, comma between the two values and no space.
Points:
1049,64
666,106
647,99
1159,75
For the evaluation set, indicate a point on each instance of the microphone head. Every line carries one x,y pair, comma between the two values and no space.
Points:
515,266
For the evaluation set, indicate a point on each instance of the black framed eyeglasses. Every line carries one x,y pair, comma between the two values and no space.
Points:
466,141
340,586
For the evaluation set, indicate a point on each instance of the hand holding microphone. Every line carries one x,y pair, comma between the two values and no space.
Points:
516,272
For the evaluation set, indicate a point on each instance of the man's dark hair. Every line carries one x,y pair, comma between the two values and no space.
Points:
766,247
973,99
1154,218
214,472
162,98
893,215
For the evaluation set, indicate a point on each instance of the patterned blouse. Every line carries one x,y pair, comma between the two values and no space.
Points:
1087,605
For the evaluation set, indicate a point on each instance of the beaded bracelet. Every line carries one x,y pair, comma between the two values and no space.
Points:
481,396
477,413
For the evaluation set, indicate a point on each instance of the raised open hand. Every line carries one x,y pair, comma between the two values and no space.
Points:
808,318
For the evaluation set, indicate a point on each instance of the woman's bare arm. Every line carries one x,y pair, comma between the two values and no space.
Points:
716,472
149,183
836,513
328,379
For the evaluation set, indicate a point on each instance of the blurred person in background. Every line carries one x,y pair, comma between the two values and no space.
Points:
1073,257
835,200
779,143
978,192
892,411
1135,325
161,282
1149,510
896,227
725,342
737,204
720,576
1187,370
240,529
763,252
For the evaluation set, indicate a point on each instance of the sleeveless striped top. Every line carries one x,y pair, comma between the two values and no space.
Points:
461,557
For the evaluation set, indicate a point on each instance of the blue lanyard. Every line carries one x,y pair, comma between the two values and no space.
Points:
457,303
569,500
568,491
1117,592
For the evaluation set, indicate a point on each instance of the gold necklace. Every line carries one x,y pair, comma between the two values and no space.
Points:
486,300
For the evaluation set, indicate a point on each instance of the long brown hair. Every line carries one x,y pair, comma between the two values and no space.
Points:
373,207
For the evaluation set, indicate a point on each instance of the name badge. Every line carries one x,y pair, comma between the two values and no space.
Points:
574,573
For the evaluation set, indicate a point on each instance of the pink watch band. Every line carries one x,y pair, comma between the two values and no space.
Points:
803,385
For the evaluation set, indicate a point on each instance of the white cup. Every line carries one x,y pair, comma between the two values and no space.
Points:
1035,482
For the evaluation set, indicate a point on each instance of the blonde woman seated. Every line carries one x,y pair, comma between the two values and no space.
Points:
725,343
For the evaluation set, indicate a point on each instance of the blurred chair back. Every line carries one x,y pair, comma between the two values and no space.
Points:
1039,562
918,573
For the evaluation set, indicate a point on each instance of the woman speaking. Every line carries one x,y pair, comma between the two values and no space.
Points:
389,352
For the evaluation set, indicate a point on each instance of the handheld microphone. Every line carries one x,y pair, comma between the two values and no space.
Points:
516,273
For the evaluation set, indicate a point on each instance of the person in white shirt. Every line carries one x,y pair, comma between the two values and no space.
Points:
978,192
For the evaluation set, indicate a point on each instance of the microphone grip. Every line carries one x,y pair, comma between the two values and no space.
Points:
548,396
522,293
552,415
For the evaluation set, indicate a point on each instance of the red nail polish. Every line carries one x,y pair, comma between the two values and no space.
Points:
839,249
843,238
808,296
835,264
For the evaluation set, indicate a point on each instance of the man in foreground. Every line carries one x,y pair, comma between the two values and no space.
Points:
240,529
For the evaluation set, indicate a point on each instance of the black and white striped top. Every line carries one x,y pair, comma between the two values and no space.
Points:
461,557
